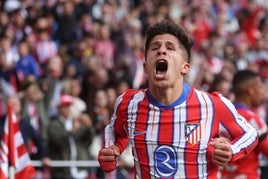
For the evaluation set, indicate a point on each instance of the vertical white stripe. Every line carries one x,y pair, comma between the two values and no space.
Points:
206,116
179,137
206,122
131,120
152,135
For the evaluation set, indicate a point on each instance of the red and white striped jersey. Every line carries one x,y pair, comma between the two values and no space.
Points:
249,166
173,141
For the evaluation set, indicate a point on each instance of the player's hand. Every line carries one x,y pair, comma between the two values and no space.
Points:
222,151
107,158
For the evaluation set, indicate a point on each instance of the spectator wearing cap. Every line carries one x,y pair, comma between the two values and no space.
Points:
68,138
73,88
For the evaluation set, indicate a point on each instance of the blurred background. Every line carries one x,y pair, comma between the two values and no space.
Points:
70,59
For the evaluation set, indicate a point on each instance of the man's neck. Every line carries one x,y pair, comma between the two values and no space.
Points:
166,96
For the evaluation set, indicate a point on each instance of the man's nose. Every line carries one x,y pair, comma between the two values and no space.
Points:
162,51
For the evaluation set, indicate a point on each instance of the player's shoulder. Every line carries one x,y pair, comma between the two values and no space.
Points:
214,94
124,98
215,97
131,92
247,113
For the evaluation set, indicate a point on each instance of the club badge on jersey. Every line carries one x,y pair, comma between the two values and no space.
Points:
193,132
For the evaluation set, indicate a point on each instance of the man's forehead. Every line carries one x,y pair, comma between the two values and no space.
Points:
164,38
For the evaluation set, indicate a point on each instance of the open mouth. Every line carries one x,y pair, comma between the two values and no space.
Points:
161,66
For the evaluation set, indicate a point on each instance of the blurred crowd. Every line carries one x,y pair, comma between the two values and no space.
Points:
68,60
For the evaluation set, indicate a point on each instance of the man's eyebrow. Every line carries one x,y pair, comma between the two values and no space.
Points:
170,43
155,43
159,42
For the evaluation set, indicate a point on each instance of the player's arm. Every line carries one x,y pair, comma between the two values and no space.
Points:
115,139
261,127
243,136
243,144
114,144
263,146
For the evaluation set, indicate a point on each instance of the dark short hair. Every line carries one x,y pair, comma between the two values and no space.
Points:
169,27
241,77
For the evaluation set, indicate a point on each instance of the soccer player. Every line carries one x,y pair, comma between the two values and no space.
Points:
174,129
249,93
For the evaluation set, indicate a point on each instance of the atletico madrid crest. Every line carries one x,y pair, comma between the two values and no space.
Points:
193,132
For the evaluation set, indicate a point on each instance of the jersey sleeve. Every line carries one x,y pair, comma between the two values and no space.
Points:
115,133
261,127
242,135
263,146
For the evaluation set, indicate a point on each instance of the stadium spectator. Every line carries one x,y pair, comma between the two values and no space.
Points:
249,94
225,25
68,139
27,64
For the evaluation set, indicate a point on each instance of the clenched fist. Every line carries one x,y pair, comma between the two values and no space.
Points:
107,158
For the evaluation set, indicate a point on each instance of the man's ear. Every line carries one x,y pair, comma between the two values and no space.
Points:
185,68
145,68
250,90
